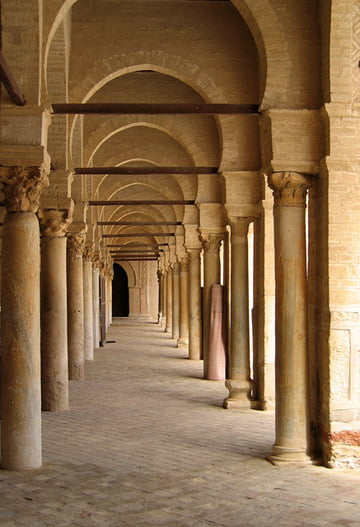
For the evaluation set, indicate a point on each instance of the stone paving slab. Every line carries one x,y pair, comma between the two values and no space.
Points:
147,443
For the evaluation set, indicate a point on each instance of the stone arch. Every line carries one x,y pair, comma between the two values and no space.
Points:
128,268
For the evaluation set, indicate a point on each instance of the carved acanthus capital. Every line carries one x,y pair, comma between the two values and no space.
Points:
22,187
211,241
89,251
239,227
175,266
289,188
184,263
54,222
76,245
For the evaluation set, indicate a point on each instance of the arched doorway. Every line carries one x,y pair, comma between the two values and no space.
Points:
120,292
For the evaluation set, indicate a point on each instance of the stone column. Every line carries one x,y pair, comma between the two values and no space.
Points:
20,325
184,302
211,276
175,300
291,410
195,319
96,301
76,243
88,302
239,383
169,303
54,329
164,302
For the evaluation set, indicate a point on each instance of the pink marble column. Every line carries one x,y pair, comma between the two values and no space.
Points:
195,318
291,411
54,330
20,327
75,292
239,383
211,276
184,303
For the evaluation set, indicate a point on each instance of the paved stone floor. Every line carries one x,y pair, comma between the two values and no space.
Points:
146,443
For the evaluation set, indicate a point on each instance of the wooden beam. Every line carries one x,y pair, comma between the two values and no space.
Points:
132,245
132,223
138,234
154,108
10,83
139,171
140,202
136,260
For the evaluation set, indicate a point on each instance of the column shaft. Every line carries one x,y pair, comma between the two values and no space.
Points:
239,383
176,301
54,330
75,307
195,319
184,304
88,310
20,338
96,307
169,303
211,276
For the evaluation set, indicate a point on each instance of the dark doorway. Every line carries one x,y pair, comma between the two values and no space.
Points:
120,292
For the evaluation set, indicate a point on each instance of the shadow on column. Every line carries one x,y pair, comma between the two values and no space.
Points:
120,292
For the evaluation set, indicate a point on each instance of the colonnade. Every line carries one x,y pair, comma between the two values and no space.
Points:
70,326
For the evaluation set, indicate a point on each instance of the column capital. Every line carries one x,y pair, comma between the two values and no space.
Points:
183,262
76,245
211,241
89,251
175,266
289,188
54,222
22,186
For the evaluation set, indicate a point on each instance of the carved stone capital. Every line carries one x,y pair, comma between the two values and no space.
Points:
89,251
54,222
175,266
76,245
22,187
289,188
239,228
211,241
184,263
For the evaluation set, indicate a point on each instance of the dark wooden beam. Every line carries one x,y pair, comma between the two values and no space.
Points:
10,83
132,245
154,108
141,202
132,223
138,234
139,171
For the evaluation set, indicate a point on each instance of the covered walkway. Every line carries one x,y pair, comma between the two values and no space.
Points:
147,443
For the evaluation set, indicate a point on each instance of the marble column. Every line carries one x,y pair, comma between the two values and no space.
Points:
169,303
75,291
164,299
96,302
175,300
291,410
184,302
239,383
20,327
54,329
211,276
88,302
195,318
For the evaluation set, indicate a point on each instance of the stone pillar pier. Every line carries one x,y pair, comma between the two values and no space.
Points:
239,383
164,292
169,302
184,303
291,410
54,328
96,301
76,243
211,276
175,300
195,319
88,303
20,327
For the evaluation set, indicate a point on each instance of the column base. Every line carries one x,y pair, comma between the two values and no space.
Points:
182,343
284,455
239,394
